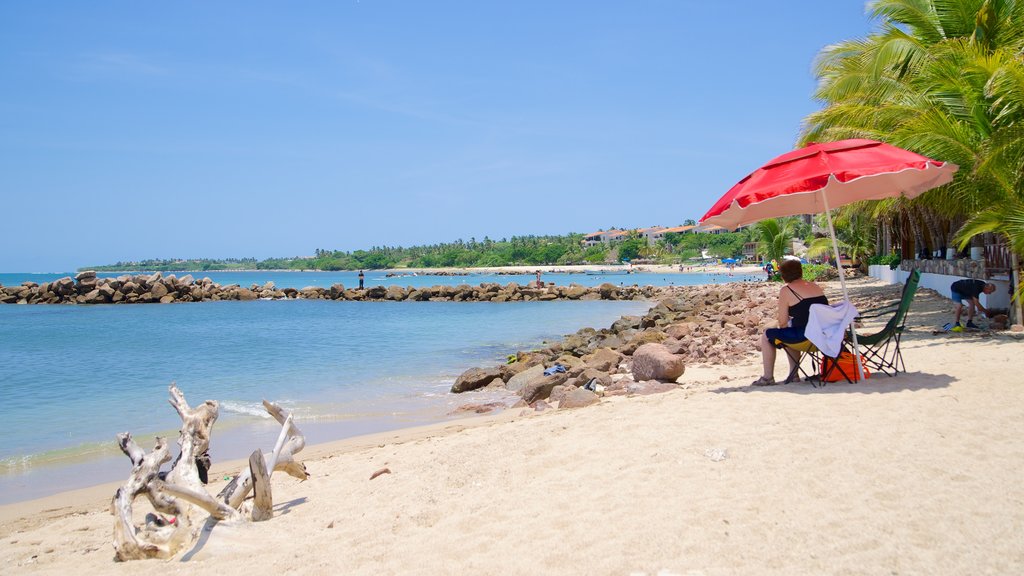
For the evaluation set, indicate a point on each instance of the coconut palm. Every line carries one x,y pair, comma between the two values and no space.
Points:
776,234
944,78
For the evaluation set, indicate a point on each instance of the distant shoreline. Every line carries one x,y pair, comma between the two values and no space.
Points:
522,269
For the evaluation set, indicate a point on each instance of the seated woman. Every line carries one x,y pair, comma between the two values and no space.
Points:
795,299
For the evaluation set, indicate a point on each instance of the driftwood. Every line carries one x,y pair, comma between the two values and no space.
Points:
181,503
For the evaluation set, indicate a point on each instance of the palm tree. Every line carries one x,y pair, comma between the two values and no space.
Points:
776,234
944,78
855,236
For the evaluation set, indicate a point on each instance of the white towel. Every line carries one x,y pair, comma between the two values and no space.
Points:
827,324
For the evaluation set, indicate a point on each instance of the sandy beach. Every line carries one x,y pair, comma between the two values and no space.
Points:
916,474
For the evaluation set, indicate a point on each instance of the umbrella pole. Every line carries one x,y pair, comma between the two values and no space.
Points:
842,281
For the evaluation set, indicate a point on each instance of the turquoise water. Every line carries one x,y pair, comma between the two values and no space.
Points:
71,377
380,278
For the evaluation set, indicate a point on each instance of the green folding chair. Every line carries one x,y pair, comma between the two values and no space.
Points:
881,350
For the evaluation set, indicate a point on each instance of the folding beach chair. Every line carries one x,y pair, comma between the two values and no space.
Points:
881,350
823,367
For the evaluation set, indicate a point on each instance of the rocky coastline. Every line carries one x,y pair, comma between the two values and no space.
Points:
87,288
710,324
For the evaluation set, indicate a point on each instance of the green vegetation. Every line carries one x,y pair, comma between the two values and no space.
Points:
519,250
945,79
725,245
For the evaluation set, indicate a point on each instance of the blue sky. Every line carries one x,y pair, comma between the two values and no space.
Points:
134,130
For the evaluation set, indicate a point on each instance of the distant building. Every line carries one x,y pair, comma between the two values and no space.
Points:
603,237
652,234
709,229
752,251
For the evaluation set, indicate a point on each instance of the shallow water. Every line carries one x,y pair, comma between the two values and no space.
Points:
71,377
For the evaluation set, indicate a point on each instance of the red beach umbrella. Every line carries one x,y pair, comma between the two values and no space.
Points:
823,176
813,179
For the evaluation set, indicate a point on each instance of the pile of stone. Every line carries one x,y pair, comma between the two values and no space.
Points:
86,288
637,354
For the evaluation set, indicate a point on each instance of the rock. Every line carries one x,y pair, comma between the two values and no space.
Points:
167,299
649,387
85,274
608,291
603,359
540,388
93,297
646,337
626,323
1017,328
474,378
478,408
578,398
575,292
681,330
559,392
245,294
603,378
158,290
396,293
655,362
337,291
519,380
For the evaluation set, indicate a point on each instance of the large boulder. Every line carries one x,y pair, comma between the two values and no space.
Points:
656,362
603,359
85,274
540,388
158,290
519,380
396,293
578,398
646,337
474,378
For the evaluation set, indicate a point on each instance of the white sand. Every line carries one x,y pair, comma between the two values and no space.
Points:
918,474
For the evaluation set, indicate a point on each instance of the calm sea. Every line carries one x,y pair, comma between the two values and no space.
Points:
71,377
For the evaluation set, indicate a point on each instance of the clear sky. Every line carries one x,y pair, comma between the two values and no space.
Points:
133,130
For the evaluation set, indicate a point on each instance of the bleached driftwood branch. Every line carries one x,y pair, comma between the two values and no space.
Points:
289,442
180,493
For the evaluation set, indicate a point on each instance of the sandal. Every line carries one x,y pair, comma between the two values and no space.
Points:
764,381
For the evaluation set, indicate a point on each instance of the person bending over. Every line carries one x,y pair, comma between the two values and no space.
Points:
969,290
795,299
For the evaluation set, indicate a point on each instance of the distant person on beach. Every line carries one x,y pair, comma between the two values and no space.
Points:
361,278
795,299
969,290
770,270
538,278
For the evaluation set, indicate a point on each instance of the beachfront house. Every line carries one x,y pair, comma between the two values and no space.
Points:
709,229
603,237
652,234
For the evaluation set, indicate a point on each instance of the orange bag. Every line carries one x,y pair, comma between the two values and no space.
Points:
844,365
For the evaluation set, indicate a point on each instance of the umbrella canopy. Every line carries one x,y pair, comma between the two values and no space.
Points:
820,177
813,179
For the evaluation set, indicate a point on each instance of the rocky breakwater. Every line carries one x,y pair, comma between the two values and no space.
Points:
717,324
87,288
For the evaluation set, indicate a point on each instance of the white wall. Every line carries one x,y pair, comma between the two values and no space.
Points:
941,283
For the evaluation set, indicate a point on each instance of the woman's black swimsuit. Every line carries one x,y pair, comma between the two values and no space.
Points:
799,312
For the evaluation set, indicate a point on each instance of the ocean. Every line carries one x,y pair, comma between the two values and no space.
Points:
72,377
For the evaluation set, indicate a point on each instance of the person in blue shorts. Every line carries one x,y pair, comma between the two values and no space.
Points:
969,290
795,299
